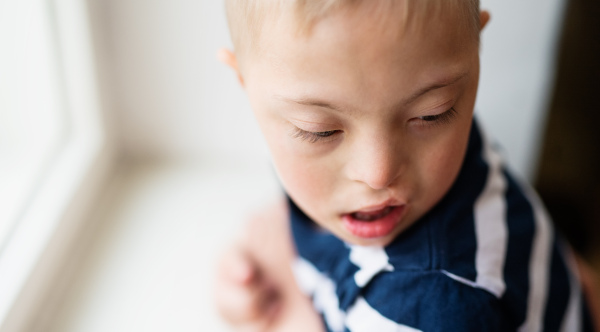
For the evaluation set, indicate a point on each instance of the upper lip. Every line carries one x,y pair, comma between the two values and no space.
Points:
380,206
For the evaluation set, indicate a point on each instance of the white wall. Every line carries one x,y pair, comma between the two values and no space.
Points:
517,69
172,98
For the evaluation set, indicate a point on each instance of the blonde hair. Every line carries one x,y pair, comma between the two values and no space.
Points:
246,18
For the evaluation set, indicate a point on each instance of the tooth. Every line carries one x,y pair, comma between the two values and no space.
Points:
370,216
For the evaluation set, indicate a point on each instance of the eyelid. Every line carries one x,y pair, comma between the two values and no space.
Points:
317,126
443,106
313,137
436,119
312,126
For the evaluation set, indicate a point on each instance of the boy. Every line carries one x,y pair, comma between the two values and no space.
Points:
403,217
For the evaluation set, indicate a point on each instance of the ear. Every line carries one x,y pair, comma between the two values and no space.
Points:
484,18
227,57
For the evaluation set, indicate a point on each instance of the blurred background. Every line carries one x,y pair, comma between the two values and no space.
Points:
129,155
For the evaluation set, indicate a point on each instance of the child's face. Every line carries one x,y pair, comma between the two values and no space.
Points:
367,128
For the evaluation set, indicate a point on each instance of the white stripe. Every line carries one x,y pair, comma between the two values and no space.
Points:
371,261
462,280
363,318
360,317
490,226
307,277
539,265
322,289
572,320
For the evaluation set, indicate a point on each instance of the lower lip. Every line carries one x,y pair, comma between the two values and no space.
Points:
375,228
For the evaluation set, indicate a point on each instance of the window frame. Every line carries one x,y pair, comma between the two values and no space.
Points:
42,241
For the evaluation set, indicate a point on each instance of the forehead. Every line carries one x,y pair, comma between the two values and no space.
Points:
363,48
413,13
248,19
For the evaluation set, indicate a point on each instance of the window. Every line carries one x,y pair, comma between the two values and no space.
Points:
32,121
54,153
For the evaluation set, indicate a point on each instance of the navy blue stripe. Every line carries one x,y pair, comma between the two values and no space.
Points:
430,301
310,241
454,215
521,228
327,253
411,250
560,291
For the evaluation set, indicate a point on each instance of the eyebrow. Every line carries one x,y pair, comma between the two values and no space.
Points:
325,104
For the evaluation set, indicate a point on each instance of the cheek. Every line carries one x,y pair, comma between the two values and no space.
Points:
441,167
308,180
306,174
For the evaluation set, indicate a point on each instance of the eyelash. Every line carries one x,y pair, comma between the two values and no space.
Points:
312,137
439,119
432,120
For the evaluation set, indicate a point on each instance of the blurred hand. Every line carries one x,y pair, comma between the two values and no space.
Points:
255,288
244,295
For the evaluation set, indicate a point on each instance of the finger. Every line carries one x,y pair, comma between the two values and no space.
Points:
240,304
237,267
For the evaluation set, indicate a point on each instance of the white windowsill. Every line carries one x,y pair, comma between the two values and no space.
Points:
159,229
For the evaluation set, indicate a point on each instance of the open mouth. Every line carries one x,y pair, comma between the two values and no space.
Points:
373,224
370,216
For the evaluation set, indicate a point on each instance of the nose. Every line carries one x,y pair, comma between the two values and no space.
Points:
375,162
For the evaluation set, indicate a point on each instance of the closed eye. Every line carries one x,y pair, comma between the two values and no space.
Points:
439,119
313,137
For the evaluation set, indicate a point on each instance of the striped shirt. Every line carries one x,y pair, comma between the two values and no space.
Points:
485,258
